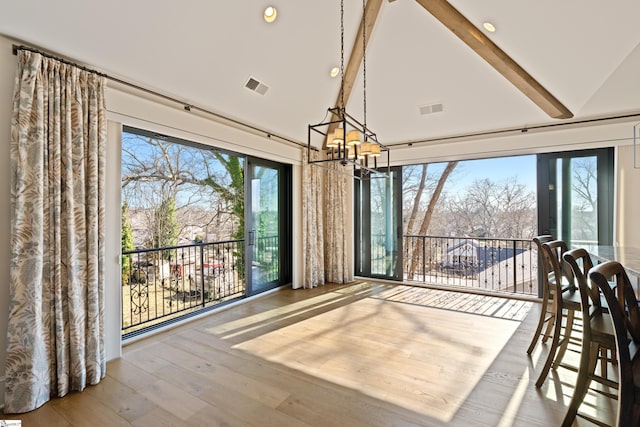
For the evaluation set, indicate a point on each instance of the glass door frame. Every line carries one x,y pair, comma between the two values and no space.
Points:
605,188
362,226
284,224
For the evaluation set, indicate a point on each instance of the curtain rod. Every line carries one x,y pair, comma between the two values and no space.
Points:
187,106
16,48
522,129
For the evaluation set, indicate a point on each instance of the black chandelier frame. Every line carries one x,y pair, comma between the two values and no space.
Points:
366,166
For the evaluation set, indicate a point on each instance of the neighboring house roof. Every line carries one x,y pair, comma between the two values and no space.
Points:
483,256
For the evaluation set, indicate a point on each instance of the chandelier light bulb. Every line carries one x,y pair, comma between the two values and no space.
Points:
338,137
353,137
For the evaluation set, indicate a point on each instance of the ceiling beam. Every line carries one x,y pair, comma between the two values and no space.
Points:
496,57
372,10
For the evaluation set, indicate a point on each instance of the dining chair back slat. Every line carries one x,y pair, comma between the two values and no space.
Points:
566,299
547,316
625,316
598,338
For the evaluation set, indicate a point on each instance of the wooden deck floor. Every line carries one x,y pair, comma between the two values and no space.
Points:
364,354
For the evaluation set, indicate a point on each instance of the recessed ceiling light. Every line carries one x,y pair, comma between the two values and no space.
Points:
489,27
334,71
270,14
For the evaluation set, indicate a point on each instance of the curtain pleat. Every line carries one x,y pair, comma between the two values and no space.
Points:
325,239
336,254
55,337
312,223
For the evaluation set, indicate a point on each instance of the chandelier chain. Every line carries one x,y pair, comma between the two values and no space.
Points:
364,64
348,141
342,54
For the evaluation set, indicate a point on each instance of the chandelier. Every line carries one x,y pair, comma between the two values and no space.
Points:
346,140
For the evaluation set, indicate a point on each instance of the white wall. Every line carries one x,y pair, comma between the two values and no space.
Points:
517,143
130,109
127,108
7,73
614,134
113,244
627,227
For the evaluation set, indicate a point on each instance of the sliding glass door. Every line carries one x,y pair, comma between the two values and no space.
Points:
267,225
378,226
575,196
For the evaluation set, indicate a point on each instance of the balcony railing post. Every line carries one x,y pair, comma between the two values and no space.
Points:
424,259
515,270
202,275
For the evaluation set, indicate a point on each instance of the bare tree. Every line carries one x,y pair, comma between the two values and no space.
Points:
418,184
416,201
584,184
426,220
516,217
207,187
493,209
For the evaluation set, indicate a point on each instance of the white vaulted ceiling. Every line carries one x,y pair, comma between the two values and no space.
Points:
585,52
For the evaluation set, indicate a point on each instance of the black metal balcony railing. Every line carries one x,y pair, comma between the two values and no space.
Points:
502,265
266,259
161,284
164,283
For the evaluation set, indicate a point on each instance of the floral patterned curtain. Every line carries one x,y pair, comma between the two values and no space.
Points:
336,250
324,237
312,223
55,338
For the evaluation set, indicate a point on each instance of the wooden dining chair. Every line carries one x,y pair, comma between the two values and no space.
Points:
625,318
547,316
566,301
598,338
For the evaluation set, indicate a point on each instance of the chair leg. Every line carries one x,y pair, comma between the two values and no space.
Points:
557,330
568,329
547,333
536,335
588,360
604,359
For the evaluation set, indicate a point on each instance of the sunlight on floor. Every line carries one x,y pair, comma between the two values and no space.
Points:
392,351
274,316
512,408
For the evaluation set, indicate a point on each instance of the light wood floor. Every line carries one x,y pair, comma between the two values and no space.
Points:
364,354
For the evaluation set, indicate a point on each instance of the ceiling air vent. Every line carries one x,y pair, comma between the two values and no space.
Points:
433,108
256,86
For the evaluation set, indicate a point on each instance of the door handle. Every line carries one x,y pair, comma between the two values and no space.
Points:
252,237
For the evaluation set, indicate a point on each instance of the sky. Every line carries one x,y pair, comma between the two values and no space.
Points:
497,170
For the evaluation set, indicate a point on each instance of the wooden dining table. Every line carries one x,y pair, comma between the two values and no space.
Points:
628,256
